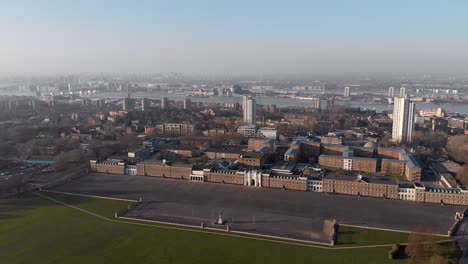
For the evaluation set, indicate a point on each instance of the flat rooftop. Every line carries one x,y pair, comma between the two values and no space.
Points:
345,157
283,166
224,150
354,177
251,154
168,163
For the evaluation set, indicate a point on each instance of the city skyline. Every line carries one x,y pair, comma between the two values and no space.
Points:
276,131
234,38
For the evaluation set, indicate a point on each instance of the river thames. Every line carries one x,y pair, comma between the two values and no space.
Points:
461,108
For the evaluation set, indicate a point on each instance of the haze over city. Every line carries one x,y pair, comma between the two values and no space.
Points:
274,132
236,37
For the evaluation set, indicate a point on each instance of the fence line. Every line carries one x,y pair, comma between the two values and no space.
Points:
92,196
387,229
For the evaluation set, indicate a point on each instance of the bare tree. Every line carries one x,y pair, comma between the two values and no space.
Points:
462,174
422,245
129,141
437,259
457,147
69,158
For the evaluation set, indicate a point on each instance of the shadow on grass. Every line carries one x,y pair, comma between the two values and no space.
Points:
12,207
402,253
451,250
13,204
345,237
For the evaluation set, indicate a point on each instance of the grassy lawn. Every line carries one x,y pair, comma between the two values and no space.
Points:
36,230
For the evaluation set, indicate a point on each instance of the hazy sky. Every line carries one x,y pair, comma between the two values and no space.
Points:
234,37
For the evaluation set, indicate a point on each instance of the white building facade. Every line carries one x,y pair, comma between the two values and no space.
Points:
314,185
347,91
253,178
407,194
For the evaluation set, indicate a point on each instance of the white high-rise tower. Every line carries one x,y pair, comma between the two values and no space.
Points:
249,107
144,104
186,103
391,92
347,91
402,92
403,120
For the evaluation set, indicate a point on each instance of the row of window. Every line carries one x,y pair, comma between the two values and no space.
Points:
406,190
197,178
316,189
406,197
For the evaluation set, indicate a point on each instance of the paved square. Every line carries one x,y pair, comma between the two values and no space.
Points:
285,213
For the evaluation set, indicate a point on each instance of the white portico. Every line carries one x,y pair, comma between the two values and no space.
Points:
253,178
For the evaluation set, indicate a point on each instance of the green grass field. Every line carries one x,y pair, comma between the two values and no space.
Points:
36,230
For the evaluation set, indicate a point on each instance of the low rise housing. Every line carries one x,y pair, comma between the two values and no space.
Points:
336,150
285,181
456,196
256,144
361,186
331,140
224,176
247,131
254,159
267,132
310,149
349,163
181,151
392,160
111,166
166,169
174,129
290,176
223,153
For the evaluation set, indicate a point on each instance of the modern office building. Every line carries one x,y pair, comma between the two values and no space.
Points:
403,120
249,107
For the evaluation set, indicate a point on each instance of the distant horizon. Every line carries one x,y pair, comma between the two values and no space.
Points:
449,76
230,39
